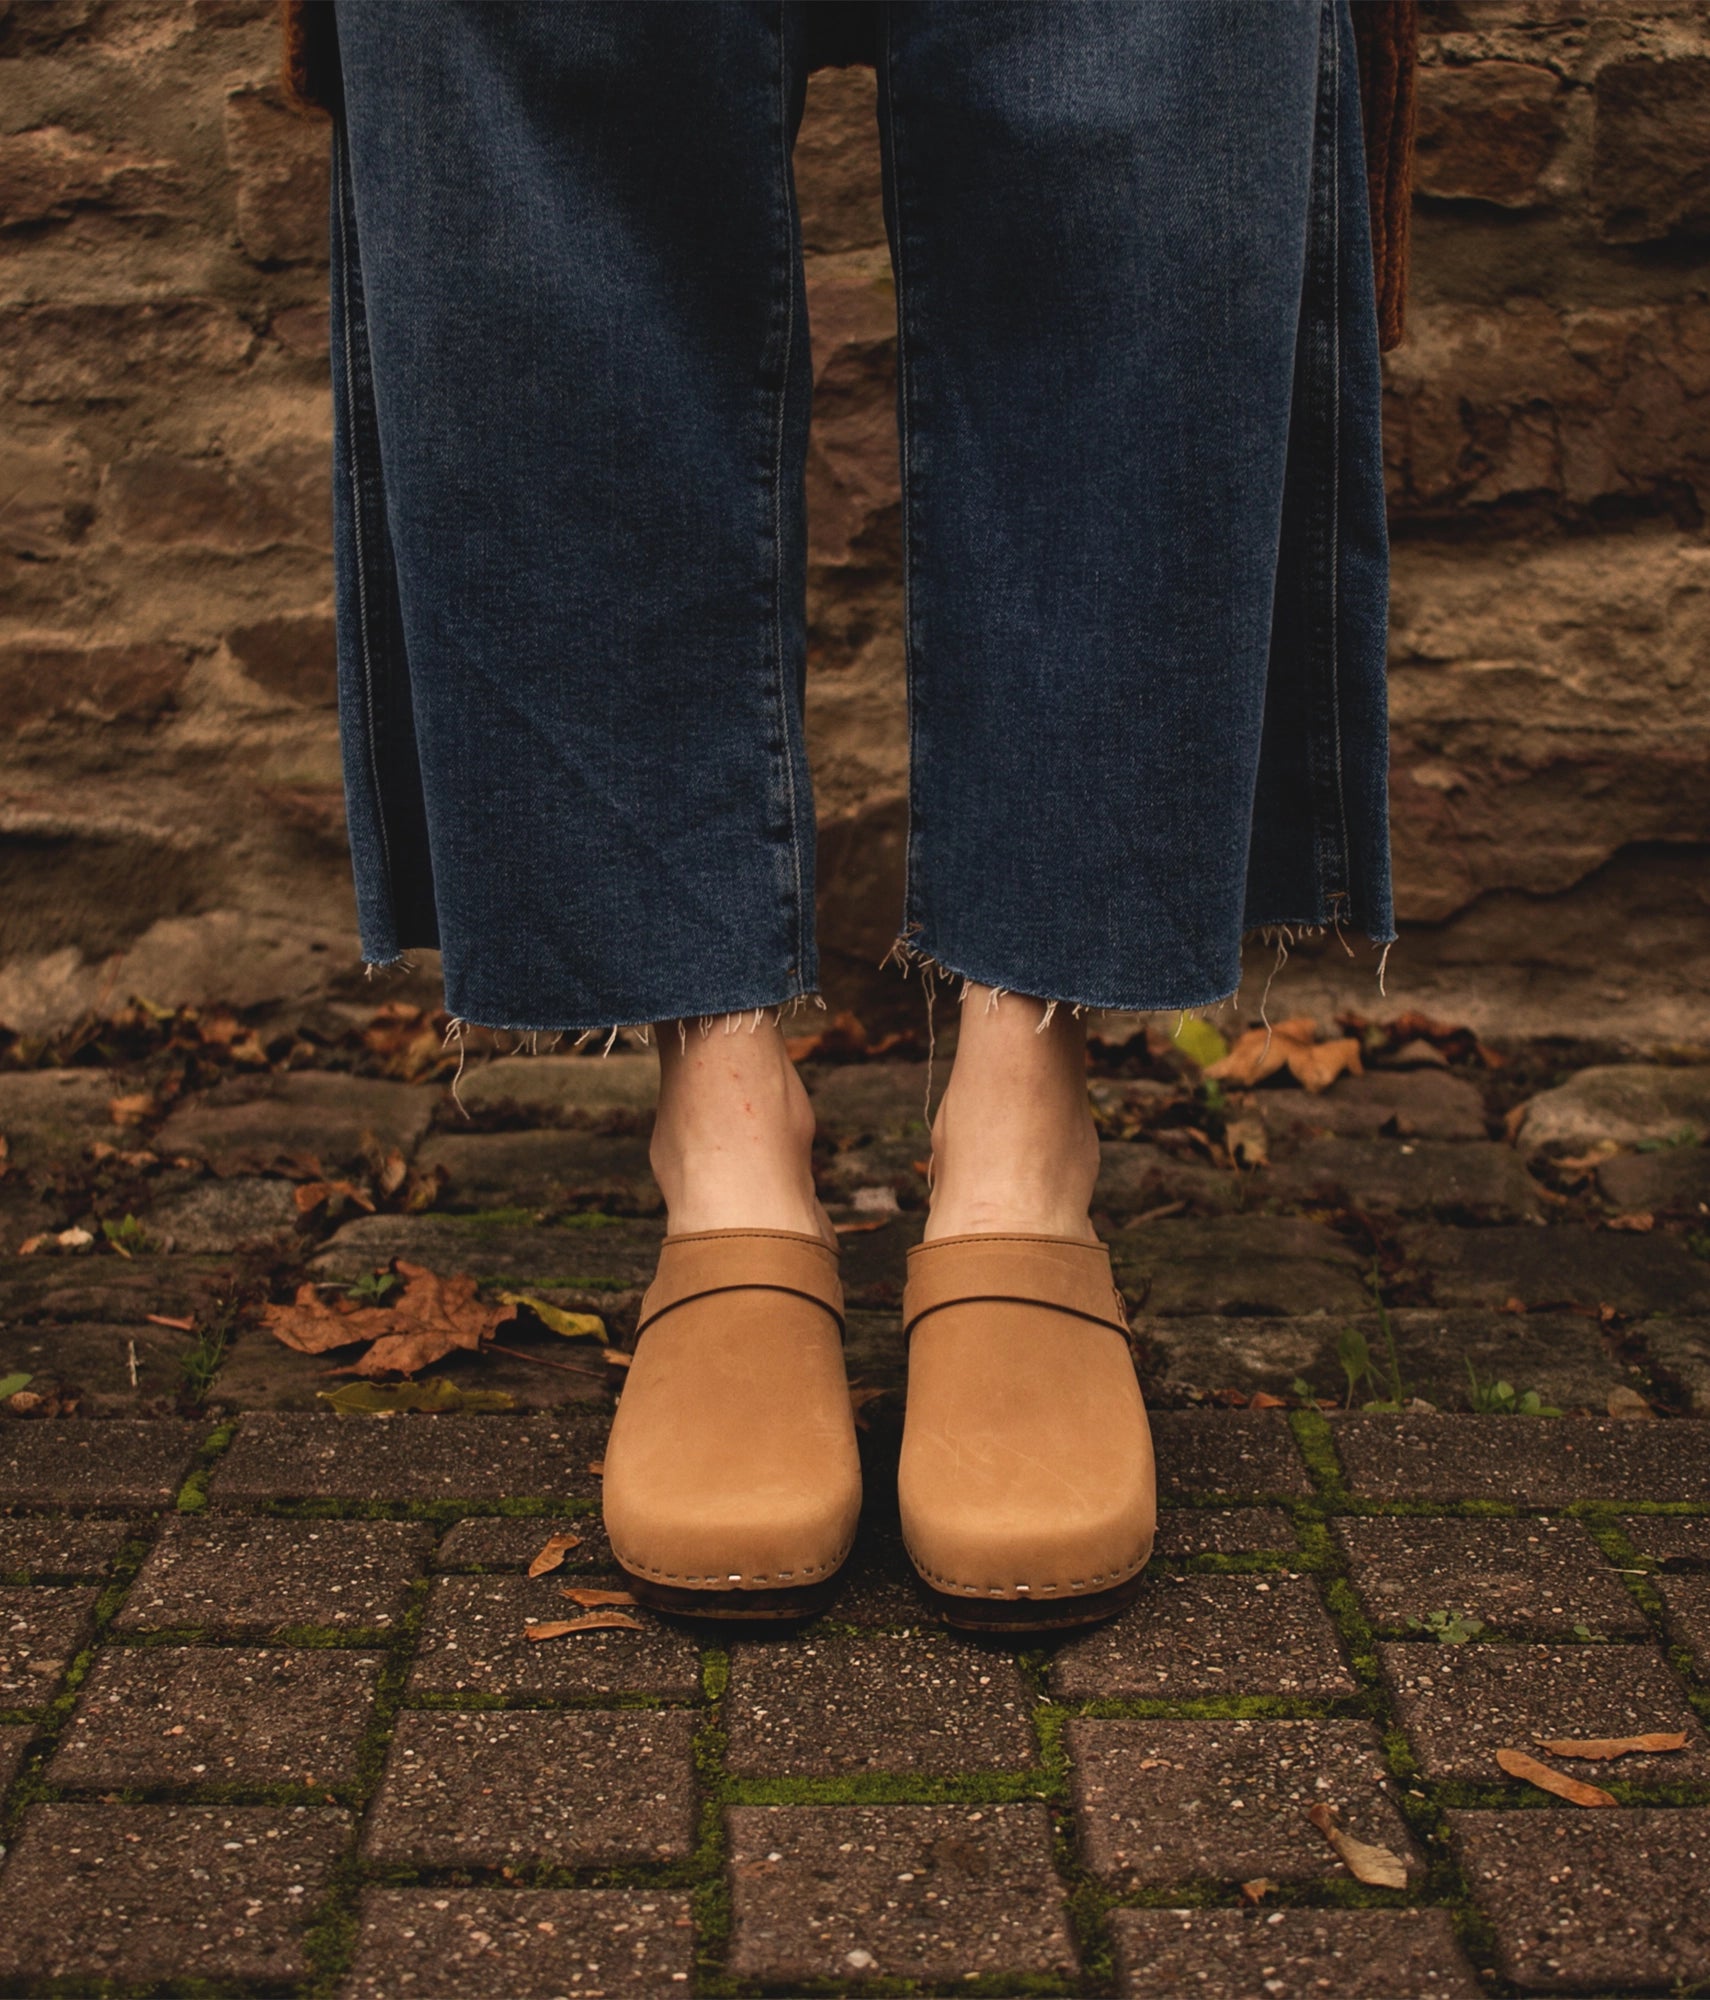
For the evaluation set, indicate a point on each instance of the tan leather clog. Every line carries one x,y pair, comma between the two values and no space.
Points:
732,1480
1026,1485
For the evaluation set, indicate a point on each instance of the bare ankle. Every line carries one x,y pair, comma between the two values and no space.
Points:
732,1143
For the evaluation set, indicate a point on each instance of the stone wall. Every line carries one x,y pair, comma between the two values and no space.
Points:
170,809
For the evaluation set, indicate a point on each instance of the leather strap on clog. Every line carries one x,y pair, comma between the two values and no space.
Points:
1054,1271
734,1260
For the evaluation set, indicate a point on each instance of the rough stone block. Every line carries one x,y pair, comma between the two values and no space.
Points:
1652,116
279,161
1675,1181
1526,1576
53,353
1290,1955
1591,1902
292,655
498,1541
1527,1461
592,1267
257,1579
1485,131
186,1716
1680,1352
174,1893
1397,1103
94,1364
1563,1356
50,1116
1167,1802
55,1547
895,1892
914,1701
473,1642
215,1217
1190,1638
41,1630
1465,1182
506,1789
559,1089
1223,1531
1673,1540
1627,1103
1237,1264
78,1462
1567,1265
1239,1454
1461,1704
419,1459
528,1944
248,1123
550,1170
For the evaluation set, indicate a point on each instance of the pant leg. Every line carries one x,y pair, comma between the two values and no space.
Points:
1146,563
572,381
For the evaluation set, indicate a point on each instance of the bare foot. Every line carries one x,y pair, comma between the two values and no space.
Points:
1014,1147
733,1139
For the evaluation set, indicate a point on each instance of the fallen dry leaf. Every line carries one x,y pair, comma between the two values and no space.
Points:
571,1326
430,1318
590,1599
1375,1866
1628,1403
130,1110
1260,1052
1639,1223
393,1171
1257,1890
597,1466
553,1554
1577,1793
1317,1067
177,1325
310,1195
614,1357
1262,1399
863,1228
594,1621
1602,1748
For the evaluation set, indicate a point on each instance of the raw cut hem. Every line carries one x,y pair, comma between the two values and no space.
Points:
1281,933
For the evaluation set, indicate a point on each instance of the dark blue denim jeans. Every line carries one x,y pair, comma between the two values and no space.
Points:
1145,557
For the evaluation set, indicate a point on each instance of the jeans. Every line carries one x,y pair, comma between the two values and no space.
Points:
1144,546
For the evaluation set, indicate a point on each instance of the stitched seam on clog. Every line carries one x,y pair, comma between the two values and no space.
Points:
1116,1576
723,1578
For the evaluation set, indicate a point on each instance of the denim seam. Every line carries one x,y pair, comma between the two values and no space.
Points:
1342,892
889,132
363,619
787,187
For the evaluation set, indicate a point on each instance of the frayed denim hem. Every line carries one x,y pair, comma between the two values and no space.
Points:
538,1040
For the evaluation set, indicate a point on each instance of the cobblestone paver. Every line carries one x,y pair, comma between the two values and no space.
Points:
271,1726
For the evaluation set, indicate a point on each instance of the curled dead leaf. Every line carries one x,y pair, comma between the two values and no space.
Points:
1577,1793
553,1553
572,1326
594,1621
592,1599
1602,1748
1317,1067
1257,1890
1375,1866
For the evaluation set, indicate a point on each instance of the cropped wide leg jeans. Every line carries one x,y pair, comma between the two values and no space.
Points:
1145,565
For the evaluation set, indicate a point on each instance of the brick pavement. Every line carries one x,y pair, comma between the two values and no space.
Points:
268,1720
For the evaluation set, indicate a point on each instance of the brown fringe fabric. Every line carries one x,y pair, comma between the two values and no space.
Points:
1386,32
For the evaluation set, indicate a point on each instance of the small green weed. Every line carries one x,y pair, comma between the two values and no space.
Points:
128,1236
1449,1628
375,1289
1502,1399
1354,1352
1686,1136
